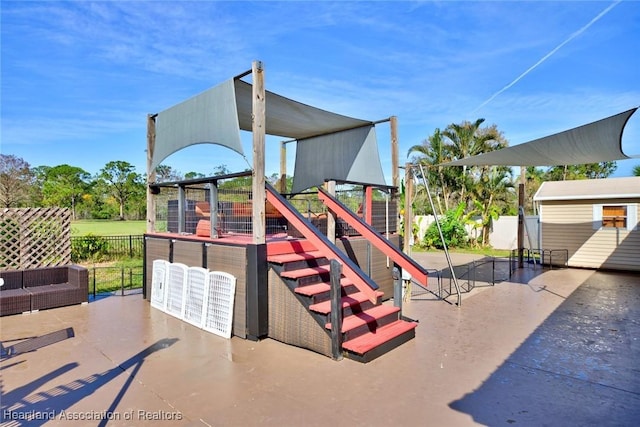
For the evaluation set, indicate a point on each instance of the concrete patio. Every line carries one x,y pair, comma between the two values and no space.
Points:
548,347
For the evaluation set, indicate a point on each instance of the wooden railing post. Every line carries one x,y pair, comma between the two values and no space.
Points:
397,289
336,309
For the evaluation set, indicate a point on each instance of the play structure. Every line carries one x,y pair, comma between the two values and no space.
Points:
314,265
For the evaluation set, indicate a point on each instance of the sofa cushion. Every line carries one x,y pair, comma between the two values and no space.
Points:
12,279
45,276
14,301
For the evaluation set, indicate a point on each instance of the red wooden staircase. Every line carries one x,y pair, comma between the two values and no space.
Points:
369,329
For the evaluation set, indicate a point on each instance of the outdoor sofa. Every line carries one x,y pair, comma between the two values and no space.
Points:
42,288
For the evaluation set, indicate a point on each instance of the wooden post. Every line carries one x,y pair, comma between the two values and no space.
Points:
408,214
283,168
151,173
397,288
331,217
368,205
336,309
259,132
395,166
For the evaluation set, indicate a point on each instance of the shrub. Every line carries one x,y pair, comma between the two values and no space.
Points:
89,247
453,230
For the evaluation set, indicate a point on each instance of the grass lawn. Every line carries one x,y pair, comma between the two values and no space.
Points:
108,227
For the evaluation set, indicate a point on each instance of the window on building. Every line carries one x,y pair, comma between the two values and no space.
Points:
614,216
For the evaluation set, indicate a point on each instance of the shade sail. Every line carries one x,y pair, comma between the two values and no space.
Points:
350,155
600,141
217,115
288,118
210,117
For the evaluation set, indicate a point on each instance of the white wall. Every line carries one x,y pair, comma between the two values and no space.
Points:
503,236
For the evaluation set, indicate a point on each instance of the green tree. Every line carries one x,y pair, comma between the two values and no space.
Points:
431,154
122,182
587,171
64,186
165,173
468,139
16,179
193,175
534,177
495,185
636,170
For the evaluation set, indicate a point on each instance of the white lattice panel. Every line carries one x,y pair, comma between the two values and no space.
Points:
197,284
219,302
34,237
176,288
159,284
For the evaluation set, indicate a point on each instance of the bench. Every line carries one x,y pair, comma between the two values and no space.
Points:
42,288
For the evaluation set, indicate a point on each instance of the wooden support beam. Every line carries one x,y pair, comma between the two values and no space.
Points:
259,132
408,214
283,168
395,167
151,173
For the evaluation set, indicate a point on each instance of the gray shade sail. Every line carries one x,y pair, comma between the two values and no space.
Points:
600,141
217,115
288,118
210,117
350,155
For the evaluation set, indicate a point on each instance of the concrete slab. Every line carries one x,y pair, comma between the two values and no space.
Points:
558,347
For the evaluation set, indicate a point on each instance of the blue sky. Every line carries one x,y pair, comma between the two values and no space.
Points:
79,78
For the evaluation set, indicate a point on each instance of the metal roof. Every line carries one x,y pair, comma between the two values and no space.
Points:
609,188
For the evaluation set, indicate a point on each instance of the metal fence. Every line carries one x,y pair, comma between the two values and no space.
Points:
115,280
105,247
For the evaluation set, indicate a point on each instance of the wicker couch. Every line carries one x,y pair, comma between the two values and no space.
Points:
41,288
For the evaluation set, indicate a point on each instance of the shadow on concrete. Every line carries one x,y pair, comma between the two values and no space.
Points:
579,367
22,408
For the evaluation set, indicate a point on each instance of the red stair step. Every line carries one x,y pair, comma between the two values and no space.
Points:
318,288
305,272
352,299
294,256
289,246
371,340
368,316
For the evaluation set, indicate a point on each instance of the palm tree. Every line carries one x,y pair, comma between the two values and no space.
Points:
636,170
495,186
432,153
467,139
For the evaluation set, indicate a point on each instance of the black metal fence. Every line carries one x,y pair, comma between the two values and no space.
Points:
115,280
106,247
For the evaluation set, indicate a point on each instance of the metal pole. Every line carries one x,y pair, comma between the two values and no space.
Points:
444,244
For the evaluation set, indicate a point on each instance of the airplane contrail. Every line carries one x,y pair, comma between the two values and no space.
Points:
544,58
